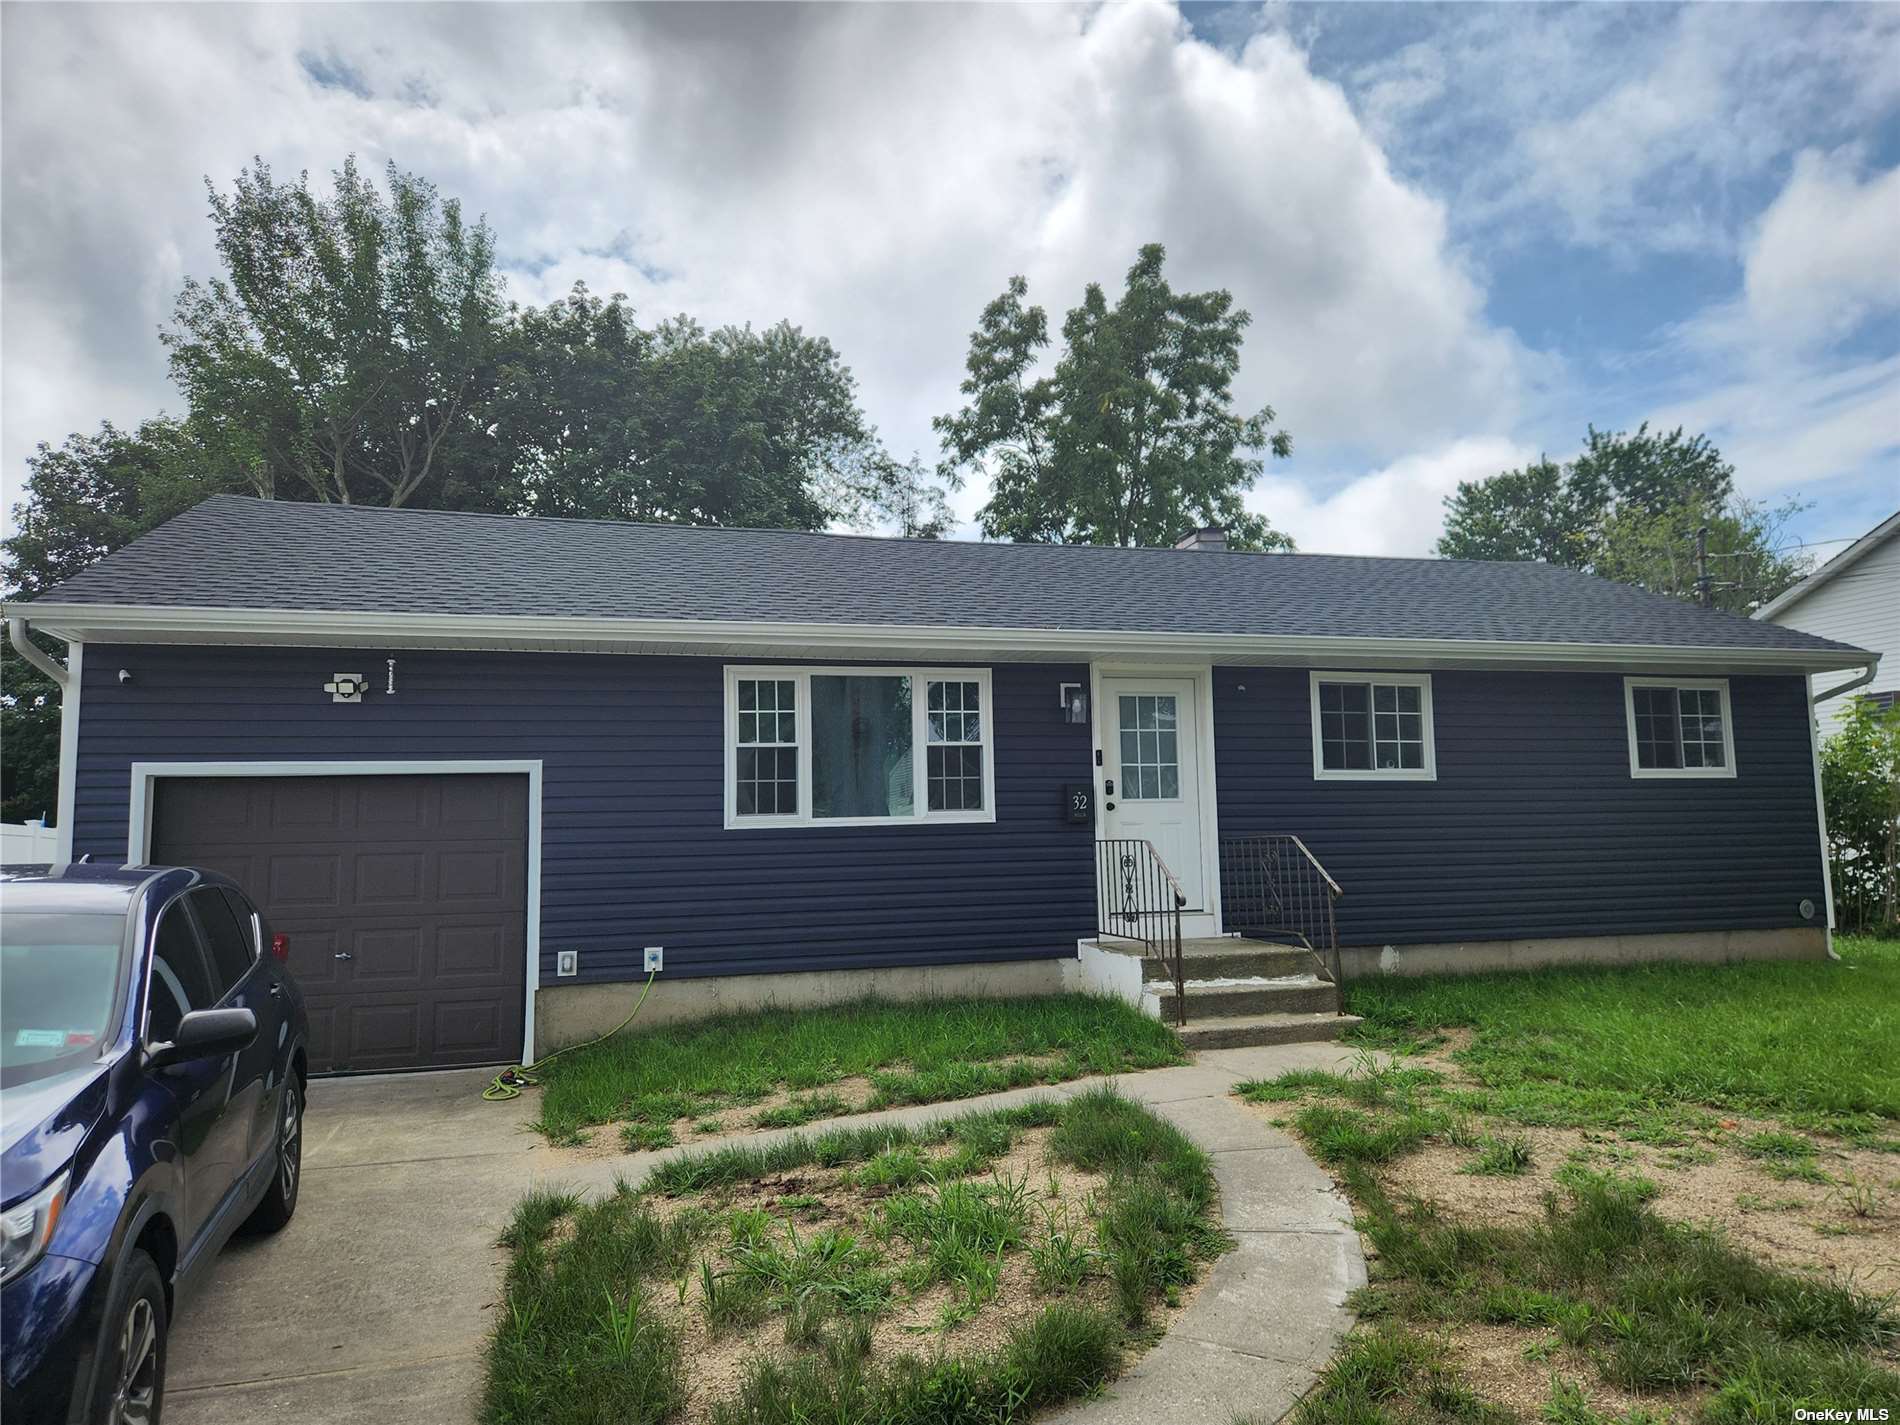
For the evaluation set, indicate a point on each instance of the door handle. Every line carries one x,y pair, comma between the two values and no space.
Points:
343,955
1108,806
276,990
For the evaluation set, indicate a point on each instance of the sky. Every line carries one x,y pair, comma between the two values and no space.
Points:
1464,233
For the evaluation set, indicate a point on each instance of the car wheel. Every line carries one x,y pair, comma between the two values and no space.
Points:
131,1381
280,1200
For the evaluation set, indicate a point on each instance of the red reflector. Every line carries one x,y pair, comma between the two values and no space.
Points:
280,946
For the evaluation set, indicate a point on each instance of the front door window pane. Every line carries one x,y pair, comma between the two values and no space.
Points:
861,760
1150,746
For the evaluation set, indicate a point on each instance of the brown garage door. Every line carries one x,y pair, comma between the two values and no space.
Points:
404,898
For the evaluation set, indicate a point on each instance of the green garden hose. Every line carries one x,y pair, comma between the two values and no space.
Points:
512,1080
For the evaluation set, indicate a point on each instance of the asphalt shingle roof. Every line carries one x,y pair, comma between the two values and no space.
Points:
233,552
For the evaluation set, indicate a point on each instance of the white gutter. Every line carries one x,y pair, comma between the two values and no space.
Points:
1866,676
347,627
17,635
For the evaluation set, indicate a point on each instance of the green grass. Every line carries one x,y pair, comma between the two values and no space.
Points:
1647,1305
1814,1044
579,1339
929,1051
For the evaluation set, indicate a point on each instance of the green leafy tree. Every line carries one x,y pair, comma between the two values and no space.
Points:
1629,508
1860,784
1132,438
1556,512
83,499
594,416
340,355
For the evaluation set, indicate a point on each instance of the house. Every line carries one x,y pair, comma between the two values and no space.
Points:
1855,598
484,771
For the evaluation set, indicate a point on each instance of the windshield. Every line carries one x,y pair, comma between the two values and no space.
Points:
59,980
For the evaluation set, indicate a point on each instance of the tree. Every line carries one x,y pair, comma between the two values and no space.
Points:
343,350
1133,438
84,499
1860,783
1628,507
596,417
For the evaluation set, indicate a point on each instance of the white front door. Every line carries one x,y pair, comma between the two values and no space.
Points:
1151,763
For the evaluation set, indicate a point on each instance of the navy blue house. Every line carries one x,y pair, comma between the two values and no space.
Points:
483,772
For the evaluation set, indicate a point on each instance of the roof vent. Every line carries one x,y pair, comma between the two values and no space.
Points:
1212,538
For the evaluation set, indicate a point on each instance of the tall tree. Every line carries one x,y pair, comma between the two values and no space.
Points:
1558,513
1133,438
341,353
594,416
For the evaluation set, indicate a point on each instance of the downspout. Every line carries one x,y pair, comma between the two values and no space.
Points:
29,650
1820,802
66,679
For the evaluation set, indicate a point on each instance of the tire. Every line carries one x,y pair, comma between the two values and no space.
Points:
130,1386
280,1199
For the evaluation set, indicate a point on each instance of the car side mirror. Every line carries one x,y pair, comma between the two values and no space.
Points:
204,1034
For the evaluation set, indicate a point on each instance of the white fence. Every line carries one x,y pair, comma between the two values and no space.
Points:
25,845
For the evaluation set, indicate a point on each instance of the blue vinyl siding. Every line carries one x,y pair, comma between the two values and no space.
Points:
634,850
1534,826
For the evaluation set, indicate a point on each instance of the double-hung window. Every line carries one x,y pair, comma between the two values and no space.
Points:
1679,727
858,746
1373,727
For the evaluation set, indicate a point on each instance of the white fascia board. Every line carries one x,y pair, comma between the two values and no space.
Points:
1839,564
347,628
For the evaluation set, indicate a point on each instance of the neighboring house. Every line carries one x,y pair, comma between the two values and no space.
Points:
1853,598
475,766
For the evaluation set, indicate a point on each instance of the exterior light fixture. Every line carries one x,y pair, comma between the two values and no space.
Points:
1075,703
346,687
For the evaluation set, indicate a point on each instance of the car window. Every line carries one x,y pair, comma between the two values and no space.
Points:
228,940
181,982
59,983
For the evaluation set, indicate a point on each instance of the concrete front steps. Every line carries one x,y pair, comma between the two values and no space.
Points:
1246,992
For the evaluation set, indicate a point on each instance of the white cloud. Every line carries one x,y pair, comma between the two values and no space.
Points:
873,173
1398,509
1826,255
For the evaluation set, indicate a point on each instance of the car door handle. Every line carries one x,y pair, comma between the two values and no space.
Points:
277,989
343,955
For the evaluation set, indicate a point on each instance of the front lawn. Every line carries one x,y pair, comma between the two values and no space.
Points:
1648,1194
1814,1043
784,1067
968,1273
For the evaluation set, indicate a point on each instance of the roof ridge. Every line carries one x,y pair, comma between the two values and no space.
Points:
334,507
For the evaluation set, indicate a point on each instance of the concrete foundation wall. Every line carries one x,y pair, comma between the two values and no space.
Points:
567,1014
1708,947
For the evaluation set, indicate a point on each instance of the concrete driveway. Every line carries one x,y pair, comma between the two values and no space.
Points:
374,1302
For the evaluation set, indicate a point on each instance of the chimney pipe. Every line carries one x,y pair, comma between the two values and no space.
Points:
1212,538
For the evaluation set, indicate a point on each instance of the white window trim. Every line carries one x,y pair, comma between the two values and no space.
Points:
801,676
1422,681
1720,685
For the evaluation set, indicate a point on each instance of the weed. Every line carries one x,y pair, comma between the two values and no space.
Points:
800,1110
1861,1196
1501,1158
639,1136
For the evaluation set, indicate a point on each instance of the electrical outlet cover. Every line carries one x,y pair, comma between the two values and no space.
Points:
656,955
567,962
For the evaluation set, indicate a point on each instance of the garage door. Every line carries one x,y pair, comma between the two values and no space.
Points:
404,898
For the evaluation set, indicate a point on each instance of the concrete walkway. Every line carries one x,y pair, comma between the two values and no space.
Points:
374,1303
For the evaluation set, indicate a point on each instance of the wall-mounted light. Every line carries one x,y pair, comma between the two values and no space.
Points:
346,687
1075,703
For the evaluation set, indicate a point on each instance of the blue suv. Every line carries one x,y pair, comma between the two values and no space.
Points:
152,1068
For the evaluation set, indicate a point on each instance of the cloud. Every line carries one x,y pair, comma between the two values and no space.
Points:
1826,255
873,173
1398,509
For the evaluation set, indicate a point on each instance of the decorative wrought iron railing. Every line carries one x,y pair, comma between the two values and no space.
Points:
1138,898
1274,888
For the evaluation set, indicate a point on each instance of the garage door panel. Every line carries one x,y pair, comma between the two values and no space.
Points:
303,882
391,879
420,882
301,804
477,954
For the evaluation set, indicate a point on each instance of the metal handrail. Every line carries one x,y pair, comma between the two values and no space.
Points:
1138,898
1274,886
